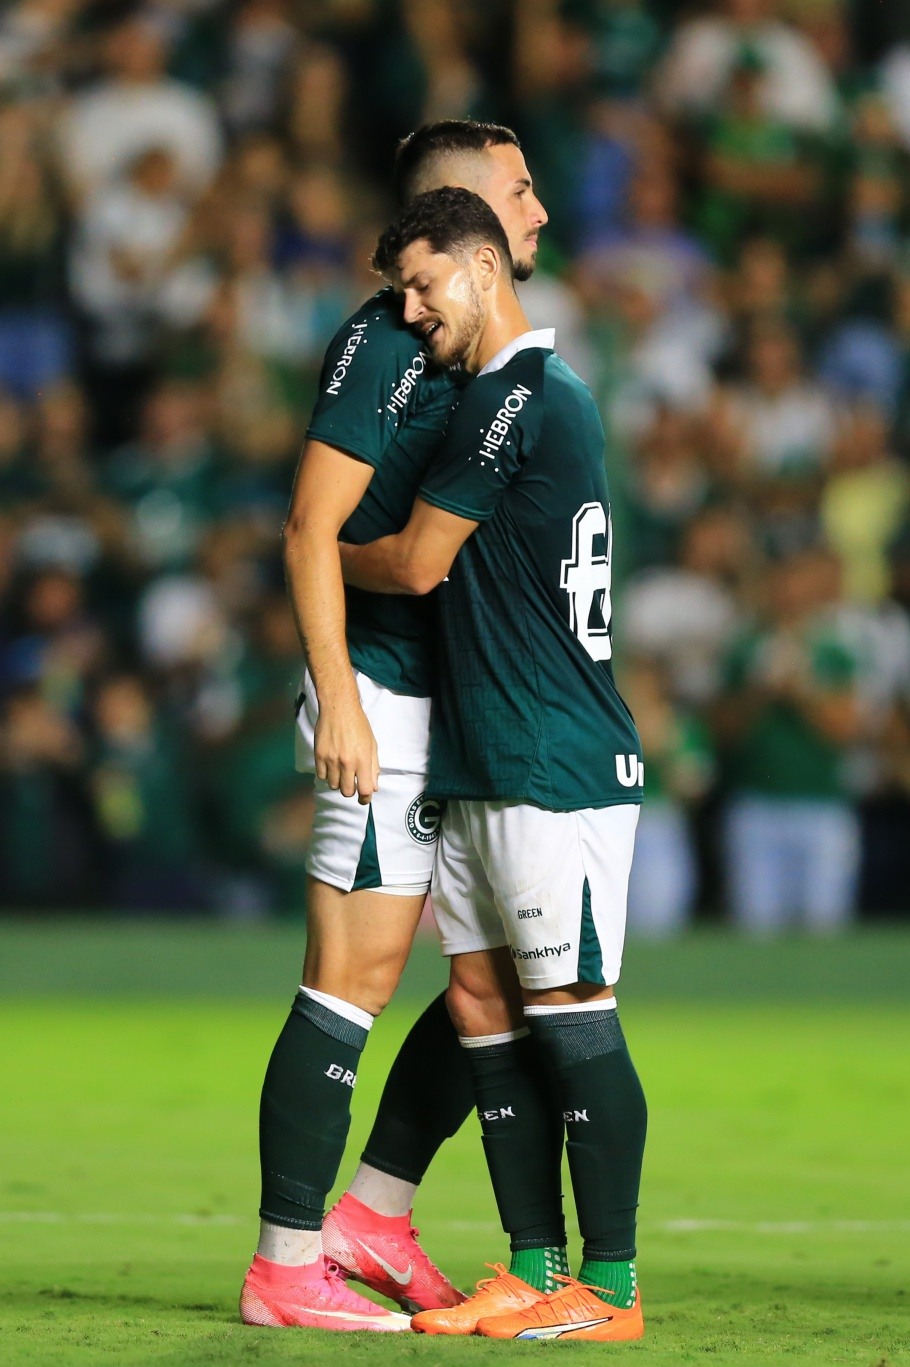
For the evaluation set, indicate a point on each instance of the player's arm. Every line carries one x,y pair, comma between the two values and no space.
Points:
415,560
461,489
327,488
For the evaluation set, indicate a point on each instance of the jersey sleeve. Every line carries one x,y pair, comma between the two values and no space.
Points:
490,437
368,377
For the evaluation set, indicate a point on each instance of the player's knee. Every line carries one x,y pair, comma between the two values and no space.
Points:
477,1005
375,984
379,986
367,983
460,1006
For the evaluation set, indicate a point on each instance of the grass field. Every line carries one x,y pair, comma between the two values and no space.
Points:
775,1218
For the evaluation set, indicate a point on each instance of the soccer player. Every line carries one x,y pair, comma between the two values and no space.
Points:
540,762
381,413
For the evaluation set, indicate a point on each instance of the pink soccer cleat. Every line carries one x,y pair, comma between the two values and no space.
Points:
311,1297
382,1252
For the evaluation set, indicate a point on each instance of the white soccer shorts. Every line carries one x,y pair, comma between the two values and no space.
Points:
388,845
550,885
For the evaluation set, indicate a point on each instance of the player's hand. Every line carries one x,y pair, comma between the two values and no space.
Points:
345,752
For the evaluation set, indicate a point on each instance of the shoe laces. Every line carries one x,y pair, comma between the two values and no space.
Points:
337,1290
485,1285
539,1312
418,1255
573,1285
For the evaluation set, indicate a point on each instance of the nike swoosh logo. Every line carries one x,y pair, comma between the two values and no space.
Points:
402,1278
355,1316
553,1331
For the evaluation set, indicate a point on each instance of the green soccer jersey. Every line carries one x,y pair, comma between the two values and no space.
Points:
780,753
526,706
382,402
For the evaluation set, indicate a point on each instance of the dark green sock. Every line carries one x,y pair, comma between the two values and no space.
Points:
522,1141
427,1098
606,1120
305,1112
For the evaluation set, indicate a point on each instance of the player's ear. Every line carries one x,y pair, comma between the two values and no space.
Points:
488,266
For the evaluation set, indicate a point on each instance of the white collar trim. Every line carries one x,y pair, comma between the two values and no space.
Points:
540,337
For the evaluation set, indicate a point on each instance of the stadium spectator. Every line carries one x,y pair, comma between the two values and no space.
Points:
796,88
759,289
189,196
64,458
167,479
756,173
131,282
552,62
16,477
876,186
617,138
29,32
142,803
787,717
778,427
654,358
679,772
650,246
318,104
668,484
253,792
43,810
57,645
258,432
261,43
894,75
864,503
880,634
259,296
134,108
257,170
861,361
35,338
626,40
683,615
68,523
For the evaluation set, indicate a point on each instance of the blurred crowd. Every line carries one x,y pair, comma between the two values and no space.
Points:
189,194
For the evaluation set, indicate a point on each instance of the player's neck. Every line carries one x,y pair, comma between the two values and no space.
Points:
505,322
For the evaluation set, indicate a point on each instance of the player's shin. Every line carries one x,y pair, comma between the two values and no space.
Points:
426,1099
606,1121
369,1231
305,1114
522,1139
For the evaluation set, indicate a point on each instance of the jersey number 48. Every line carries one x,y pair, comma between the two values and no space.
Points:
586,579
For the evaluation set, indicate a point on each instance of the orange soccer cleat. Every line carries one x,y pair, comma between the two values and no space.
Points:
572,1312
501,1295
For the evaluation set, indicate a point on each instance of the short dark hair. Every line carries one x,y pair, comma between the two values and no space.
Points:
448,137
452,220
